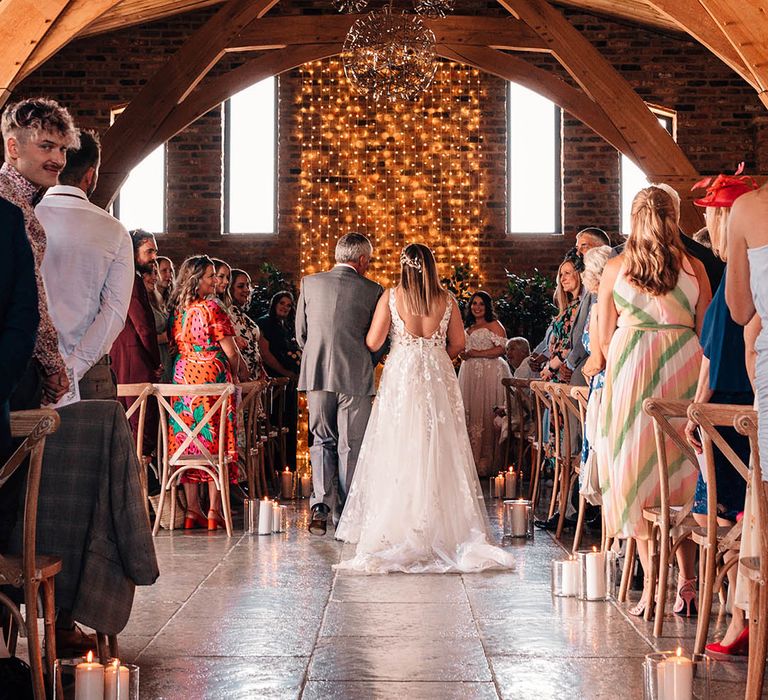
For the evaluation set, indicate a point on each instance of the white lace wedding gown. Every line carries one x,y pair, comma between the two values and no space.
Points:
415,503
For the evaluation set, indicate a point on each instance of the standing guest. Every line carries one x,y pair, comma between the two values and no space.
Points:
136,353
651,305
166,275
223,275
207,354
160,314
723,377
281,355
480,378
247,329
87,244
37,134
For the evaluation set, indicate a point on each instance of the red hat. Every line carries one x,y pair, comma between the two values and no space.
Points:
724,190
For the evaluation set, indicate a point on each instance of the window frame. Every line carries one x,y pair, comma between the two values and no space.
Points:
227,165
558,170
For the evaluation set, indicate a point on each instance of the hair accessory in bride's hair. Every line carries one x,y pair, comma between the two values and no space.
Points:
405,260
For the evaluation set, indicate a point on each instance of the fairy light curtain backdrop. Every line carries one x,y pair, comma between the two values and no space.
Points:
401,172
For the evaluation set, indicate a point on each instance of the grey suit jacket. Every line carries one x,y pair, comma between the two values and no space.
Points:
333,315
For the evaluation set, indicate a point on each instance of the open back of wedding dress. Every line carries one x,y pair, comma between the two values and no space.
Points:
415,504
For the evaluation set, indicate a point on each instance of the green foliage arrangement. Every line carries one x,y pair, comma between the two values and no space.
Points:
525,306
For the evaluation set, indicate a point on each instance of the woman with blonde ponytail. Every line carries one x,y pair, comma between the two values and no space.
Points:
651,304
415,503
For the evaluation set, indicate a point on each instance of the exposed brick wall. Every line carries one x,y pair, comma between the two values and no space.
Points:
717,128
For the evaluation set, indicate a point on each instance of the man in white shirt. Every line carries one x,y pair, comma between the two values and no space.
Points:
88,271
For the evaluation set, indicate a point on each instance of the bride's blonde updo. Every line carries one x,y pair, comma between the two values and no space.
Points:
654,252
419,281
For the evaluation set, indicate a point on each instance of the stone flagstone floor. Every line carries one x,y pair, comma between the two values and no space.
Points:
266,617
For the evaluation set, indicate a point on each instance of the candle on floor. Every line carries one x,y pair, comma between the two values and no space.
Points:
116,681
595,575
520,519
275,516
265,516
510,483
286,484
675,677
89,679
499,485
306,486
569,582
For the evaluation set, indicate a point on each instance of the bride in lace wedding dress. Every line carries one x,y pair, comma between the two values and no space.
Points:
415,503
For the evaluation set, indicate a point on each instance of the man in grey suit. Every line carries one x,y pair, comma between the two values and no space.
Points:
333,314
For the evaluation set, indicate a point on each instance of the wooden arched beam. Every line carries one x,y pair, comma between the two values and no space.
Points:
23,24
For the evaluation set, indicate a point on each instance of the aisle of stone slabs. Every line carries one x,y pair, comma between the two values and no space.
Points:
267,617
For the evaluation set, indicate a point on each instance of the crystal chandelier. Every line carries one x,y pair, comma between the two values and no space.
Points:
390,55
433,8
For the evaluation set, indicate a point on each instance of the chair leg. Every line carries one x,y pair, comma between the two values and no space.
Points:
535,471
33,639
652,574
225,504
705,601
114,650
604,539
555,485
579,524
661,588
49,617
565,494
102,647
626,573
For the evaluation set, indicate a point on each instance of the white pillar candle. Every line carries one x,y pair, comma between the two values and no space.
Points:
306,486
265,516
116,680
89,679
510,484
275,516
569,585
596,584
674,677
519,519
498,486
286,484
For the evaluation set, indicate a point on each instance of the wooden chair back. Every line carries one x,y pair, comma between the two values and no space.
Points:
517,401
252,411
141,394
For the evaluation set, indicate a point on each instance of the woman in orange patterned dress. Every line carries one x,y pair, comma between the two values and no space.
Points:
205,353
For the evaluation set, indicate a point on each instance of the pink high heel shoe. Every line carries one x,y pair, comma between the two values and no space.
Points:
686,602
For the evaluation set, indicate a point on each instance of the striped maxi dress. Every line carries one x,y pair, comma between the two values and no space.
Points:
653,353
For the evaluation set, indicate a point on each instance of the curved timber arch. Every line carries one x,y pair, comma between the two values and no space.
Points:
182,91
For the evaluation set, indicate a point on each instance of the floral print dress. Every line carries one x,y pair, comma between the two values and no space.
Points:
197,333
560,340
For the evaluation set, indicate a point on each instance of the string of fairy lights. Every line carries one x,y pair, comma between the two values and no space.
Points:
399,172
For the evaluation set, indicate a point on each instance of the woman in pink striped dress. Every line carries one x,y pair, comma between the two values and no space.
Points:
651,306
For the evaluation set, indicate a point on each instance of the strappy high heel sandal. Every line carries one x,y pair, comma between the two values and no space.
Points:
686,602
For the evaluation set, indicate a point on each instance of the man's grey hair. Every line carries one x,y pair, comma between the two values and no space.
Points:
672,192
351,246
519,342
594,262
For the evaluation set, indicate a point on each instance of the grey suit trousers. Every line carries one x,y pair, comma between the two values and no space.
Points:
337,422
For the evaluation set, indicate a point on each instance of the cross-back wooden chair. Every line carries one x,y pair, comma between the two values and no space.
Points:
567,415
542,404
671,523
714,541
755,568
141,394
580,394
252,409
517,393
177,462
30,571
279,387
545,403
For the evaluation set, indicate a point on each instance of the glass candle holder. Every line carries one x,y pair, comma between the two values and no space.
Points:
518,519
91,680
597,576
251,516
673,675
566,578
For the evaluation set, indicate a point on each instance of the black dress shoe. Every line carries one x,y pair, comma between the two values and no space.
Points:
318,525
551,524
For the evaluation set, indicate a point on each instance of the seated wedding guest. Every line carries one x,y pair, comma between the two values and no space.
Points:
723,377
160,314
89,245
36,135
135,353
568,297
517,352
247,329
19,318
281,356
746,293
651,304
166,275
480,376
206,354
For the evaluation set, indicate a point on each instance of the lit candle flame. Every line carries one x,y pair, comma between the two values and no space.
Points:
116,663
594,549
679,651
89,657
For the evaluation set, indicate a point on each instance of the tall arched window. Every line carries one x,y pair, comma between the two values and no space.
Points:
250,159
533,162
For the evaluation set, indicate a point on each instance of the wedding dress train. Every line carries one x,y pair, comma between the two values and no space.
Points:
415,504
